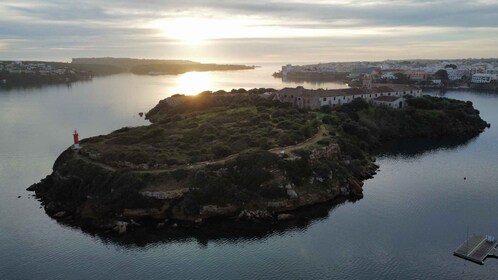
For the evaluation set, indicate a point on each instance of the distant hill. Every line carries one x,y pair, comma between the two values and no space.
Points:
111,65
128,63
99,69
174,69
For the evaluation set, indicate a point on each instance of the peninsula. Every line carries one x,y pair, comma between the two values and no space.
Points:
38,73
245,156
151,66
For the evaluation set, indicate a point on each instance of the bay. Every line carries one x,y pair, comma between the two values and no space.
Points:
415,212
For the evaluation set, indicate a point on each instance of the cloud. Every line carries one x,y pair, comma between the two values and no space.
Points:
311,28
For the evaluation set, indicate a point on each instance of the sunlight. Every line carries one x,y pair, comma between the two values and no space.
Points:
191,31
199,30
193,83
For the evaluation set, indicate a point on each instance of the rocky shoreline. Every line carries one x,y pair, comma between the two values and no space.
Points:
256,186
168,213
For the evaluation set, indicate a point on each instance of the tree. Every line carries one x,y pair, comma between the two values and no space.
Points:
402,78
451,66
442,75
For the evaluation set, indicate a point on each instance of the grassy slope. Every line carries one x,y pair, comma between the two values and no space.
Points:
189,133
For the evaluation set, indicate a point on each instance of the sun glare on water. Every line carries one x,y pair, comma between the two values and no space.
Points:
193,83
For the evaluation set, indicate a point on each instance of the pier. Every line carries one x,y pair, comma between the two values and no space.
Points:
477,248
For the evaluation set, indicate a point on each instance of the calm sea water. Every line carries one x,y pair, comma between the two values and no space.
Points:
416,211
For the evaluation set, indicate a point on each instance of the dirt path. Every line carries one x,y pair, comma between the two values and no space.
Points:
322,133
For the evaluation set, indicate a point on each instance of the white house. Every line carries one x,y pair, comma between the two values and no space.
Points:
388,76
480,78
390,101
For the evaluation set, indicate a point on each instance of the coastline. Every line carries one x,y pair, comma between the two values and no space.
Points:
68,193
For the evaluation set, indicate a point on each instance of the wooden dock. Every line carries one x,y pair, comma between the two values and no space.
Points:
477,248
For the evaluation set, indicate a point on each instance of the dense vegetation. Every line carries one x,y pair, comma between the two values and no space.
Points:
206,127
425,117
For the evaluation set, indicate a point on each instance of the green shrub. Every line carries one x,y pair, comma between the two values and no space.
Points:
325,109
285,140
355,105
419,103
220,151
297,170
328,119
272,192
154,133
123,140
180,174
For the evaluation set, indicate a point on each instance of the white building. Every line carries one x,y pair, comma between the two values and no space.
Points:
455,74
436,82
286,69
492,71
388,76
397,102
483,78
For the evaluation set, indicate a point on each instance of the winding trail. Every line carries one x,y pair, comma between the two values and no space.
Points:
321,134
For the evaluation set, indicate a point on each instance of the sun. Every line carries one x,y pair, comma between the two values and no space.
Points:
198,30
193,31
187,30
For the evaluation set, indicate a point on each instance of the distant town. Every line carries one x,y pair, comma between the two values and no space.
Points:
26,73
464,73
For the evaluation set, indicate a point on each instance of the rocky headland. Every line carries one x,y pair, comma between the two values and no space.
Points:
234,156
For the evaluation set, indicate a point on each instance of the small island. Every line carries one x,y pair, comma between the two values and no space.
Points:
239,156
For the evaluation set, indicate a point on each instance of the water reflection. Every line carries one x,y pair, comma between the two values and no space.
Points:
311,82
35,88
233,232
418,147
224,231
415,212
193,83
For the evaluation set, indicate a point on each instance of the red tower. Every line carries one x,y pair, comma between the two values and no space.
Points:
76,140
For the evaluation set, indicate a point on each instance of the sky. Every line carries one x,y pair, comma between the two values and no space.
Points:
255,31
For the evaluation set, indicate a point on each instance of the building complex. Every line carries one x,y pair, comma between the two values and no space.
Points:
387,95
